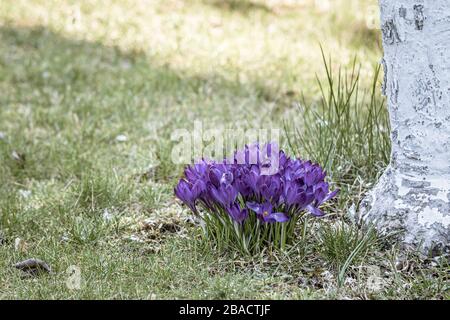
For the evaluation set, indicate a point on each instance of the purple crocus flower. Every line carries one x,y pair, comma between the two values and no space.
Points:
189,193
196,172
270,187
227,178
297,185
225,195
236,213
265,212
242,183
294,193
313,174
321,197
214,175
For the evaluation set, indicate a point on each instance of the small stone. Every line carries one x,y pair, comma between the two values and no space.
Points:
121,138
107,216
152,296
135,238
126,65
17,156
20,245
25,193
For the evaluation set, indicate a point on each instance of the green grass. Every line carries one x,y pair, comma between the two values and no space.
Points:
76,75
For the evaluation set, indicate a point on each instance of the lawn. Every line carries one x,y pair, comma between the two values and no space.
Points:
90,93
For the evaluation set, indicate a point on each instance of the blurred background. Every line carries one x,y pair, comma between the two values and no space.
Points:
86,72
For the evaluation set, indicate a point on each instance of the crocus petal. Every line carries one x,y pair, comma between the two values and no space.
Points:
256,207
227,178
198,188
214,176
279,217
331,195
244,215
315,211
237,214
267,207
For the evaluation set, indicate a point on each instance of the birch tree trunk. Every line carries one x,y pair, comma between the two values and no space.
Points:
412,196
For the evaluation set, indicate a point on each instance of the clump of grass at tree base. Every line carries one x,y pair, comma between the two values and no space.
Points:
347,131
343,245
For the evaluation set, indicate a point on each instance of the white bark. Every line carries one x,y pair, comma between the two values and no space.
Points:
412,197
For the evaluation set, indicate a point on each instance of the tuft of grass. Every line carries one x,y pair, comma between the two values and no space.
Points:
95,193
343,246
251,237
347,130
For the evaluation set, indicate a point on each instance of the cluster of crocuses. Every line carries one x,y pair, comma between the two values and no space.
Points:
243,186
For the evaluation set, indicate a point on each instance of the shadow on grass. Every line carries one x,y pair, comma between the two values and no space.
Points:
64,101
367,37
38,57
240,6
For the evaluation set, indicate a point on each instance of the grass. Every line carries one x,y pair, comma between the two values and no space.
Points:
77,77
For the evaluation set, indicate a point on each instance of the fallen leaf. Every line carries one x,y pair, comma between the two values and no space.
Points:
169,227
19,158
33,267
290,93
